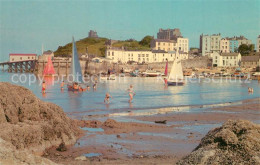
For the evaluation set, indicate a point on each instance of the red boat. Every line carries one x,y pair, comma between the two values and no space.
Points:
49,69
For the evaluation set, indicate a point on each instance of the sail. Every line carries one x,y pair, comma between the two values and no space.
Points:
49,69
75,65
166,69
176,73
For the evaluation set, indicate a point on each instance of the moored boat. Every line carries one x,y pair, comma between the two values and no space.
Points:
176,75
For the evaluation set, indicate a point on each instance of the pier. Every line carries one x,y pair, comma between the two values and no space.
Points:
19,66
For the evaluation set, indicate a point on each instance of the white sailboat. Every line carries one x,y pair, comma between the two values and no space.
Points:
75,70
176,75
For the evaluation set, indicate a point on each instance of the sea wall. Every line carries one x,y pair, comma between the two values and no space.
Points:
63,68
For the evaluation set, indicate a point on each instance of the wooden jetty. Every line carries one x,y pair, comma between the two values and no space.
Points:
19,66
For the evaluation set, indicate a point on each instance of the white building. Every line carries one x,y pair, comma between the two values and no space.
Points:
224,45
209,44
183,44
226,59
124,56
21,57
258,44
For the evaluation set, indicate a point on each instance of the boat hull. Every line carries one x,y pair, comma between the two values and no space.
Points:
175,83
70,88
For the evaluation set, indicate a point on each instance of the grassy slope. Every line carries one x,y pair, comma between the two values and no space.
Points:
130,45
97,46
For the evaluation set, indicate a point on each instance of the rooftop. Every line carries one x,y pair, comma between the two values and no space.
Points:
250,58
229,54
164,40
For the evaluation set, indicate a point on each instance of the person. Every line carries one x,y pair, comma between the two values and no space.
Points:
62,85
250,90
122,70
165,82
131,93
95,86
43,87
88,88
76,86
107,97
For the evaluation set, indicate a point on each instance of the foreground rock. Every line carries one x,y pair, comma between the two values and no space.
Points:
9,155
31,124
236,142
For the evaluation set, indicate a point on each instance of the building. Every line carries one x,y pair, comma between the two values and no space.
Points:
124,56
224,45
46,55
169,34
181,44
250,61
258,44
21,57
225,59
233,45
164,44
92,34
209,44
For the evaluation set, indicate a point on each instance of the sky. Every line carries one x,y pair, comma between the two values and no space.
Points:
26,25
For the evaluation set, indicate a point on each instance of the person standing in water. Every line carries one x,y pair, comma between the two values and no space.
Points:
62,85
43,87
165,82
107,97
131,93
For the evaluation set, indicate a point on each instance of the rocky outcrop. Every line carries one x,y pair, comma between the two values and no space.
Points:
236,142
9,155
31,124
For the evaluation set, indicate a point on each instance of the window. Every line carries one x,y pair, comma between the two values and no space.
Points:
112,53
139,55
12,59
21,58
143,55
147,55
28,57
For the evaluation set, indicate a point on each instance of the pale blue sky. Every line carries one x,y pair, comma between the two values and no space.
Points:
25,24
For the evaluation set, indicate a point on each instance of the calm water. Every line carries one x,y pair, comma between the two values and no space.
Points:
150,93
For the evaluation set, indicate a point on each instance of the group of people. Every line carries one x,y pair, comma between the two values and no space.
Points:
250,90
76,86
130,91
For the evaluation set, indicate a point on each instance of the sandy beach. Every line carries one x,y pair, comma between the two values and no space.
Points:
138,139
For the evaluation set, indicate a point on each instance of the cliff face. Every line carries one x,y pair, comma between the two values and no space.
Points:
31,124
236,142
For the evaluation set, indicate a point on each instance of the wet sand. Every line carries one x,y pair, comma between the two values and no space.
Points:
133,137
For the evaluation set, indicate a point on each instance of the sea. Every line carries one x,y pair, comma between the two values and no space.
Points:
150,93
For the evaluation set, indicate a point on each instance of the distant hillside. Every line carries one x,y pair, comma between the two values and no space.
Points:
94,45
97,46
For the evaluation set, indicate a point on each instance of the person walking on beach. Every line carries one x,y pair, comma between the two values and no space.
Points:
43,87
131,93
107,97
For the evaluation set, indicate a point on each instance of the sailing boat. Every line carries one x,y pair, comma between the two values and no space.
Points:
75,70
176,75
49,69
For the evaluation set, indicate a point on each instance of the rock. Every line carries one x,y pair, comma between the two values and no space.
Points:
111,123
62,147
31,124
235,142
9,155
118,136
81,158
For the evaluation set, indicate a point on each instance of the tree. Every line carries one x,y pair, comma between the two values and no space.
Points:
146,41
245,49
